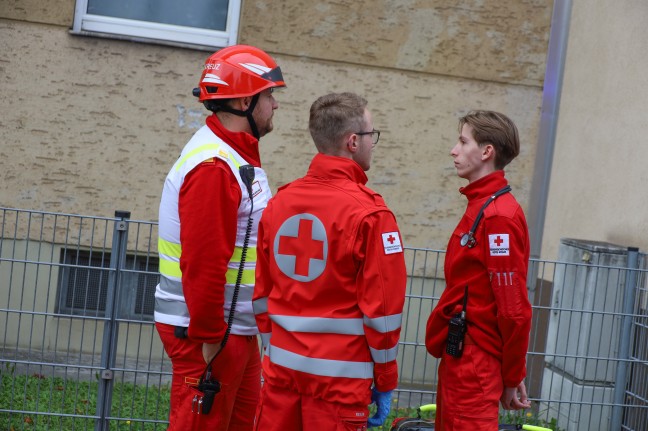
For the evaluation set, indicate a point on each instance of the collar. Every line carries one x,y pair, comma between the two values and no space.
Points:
485,186
333,167
244,143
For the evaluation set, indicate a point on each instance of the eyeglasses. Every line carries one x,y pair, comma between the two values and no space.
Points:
375,135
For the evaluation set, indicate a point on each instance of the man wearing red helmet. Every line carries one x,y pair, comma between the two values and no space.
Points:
211,204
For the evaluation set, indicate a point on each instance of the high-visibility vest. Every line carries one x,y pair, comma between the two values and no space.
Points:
170,305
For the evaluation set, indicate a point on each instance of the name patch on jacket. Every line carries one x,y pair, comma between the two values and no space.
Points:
392,242
256,189
499,244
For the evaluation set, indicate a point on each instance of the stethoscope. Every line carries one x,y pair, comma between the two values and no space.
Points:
468,239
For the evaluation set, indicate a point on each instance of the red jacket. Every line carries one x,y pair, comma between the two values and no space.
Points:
330,285
495,271
210,196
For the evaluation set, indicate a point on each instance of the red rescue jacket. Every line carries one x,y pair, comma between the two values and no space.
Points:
495,271
330,285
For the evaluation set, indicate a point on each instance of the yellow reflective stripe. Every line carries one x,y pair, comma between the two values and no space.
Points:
221,153
169,248
250,255
248,276
231,157
170,268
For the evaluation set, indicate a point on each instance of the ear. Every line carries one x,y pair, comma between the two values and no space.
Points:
352,143
488,152
247,101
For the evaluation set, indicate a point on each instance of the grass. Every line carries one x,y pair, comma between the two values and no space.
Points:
53,403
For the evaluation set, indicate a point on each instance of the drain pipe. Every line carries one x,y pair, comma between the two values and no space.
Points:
558,37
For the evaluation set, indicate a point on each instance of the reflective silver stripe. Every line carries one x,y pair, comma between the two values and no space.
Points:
244,295
243,317
172,308
260,305
384,356
170,286
245,320
265,338
384,324
320,367
319,324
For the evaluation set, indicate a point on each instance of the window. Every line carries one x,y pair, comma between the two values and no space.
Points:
193,23
83,285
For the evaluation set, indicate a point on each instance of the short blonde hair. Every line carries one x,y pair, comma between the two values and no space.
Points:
332,117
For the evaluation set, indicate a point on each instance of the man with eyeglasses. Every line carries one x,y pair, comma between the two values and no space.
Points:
330,284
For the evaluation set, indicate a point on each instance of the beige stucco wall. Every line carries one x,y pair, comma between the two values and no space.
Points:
481,40
54,12
92,125
599,177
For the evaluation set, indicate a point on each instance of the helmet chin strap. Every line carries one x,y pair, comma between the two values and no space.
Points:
247,113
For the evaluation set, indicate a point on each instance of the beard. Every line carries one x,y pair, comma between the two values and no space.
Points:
264,127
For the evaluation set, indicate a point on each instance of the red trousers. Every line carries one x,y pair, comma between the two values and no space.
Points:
469,391
237,368
286,410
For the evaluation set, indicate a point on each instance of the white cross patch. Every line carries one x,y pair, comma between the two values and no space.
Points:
391,242
499,244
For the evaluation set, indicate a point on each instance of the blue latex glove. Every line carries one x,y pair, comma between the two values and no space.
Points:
383,406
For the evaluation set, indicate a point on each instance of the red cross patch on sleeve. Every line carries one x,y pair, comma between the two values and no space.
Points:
499,244
392,242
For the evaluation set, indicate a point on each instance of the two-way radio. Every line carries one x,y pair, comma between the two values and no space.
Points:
457,330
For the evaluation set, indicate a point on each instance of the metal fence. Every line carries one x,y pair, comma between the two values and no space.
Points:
79,350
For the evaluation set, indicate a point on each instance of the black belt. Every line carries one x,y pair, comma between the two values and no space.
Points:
180,332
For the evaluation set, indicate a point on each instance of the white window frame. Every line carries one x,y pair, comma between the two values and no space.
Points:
166,34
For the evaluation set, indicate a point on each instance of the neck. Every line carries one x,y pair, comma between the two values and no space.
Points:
234,123
486,170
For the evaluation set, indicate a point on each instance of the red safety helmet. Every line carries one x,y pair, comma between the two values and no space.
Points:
238,71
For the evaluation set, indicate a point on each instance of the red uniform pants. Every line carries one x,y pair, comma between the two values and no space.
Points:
282,410
237,368
469,391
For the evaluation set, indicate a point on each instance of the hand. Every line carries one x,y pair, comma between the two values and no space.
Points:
383,406
511,401
210,350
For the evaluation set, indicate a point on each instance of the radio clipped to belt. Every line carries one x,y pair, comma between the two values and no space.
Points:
208,384
457,330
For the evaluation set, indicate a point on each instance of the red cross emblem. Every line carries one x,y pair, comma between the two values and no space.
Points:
303,247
